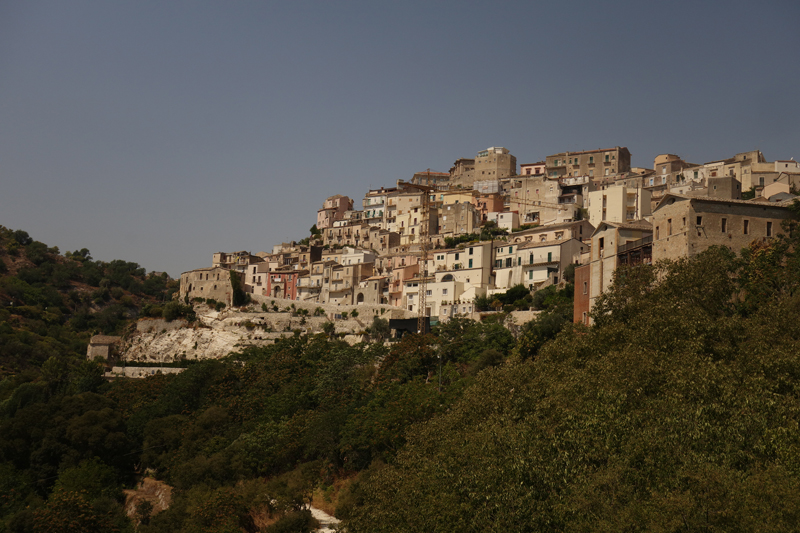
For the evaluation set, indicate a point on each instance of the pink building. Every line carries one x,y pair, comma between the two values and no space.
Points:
332,210
283,283
488,203
532,169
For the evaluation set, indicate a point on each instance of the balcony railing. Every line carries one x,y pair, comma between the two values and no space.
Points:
634,244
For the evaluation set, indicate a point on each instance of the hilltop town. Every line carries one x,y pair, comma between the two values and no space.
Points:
443,241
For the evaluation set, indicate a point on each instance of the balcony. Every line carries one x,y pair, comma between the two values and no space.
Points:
634,244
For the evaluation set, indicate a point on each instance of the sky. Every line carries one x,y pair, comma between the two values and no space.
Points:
162,132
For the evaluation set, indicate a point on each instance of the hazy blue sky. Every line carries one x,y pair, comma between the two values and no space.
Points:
160,132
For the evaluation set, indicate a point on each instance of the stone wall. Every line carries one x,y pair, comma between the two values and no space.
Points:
154,325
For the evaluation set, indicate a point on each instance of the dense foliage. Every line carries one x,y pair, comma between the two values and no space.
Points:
678,410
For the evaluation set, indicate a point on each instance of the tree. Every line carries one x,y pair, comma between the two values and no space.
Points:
379,330
239,296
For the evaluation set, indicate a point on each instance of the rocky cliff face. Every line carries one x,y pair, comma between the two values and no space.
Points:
216,334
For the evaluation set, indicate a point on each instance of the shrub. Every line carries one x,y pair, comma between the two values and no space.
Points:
174,309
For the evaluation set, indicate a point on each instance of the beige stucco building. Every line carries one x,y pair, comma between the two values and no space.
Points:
618,204
333,209
612,244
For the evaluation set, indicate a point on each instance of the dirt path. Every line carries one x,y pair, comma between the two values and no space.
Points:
326,521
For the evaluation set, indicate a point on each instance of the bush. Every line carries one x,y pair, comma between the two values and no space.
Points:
219,306
152,311
294,522
174,310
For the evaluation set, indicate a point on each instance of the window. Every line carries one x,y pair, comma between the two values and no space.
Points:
699,220
457,257
471,250
724,225
585,287
444,292
470,263
591,159
603,241
508,261
769,229
428,293
684,222
746,227
606,173
656,232
519,261
669,226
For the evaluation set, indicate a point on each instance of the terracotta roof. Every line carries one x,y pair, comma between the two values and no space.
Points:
710,200
543,244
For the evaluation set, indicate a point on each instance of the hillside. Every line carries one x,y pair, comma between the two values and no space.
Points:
676,411
51,304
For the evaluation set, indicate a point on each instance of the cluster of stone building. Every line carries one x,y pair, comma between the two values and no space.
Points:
590,208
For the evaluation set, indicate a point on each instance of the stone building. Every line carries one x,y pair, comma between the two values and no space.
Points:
458,219
214,282
438,180
102,346
493,163
685,226
592,163
373,290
